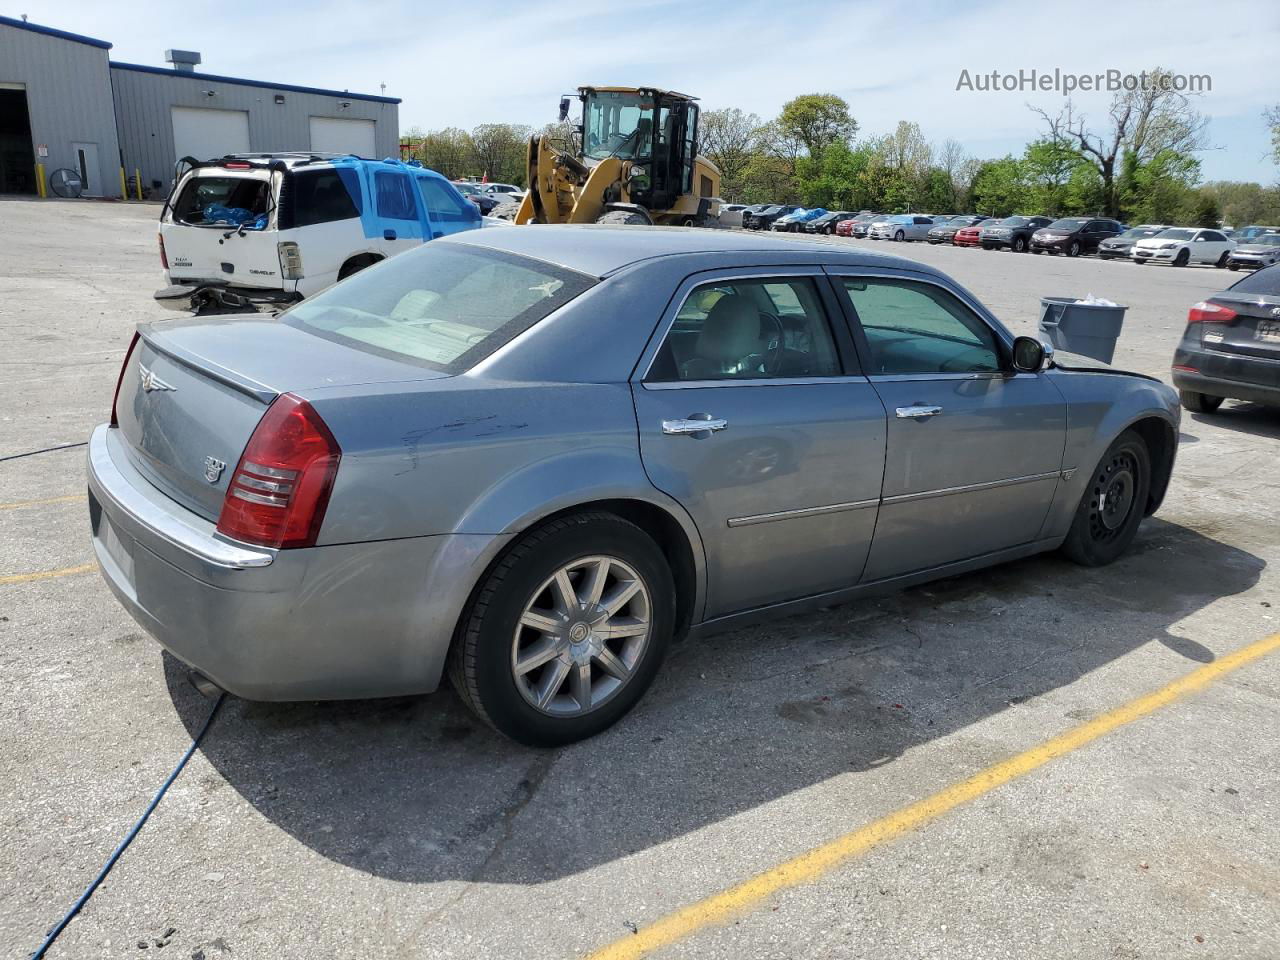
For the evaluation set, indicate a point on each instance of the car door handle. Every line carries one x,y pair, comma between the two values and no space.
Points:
388,234
917,411
698,423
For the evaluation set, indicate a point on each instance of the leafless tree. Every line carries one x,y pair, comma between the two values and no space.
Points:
1145,121
729,137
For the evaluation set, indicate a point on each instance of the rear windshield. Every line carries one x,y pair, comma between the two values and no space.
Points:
442,306
1265,283
224,201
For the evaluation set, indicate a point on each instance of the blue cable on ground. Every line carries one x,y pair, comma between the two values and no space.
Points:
128,839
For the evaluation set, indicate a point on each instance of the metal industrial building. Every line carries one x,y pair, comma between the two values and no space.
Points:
64,104
55,108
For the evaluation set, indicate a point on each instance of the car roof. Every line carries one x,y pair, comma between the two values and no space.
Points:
609,248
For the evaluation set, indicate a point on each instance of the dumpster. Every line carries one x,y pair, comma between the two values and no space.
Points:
1089,327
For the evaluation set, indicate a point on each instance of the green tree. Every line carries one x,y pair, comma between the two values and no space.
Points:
817,120
1205,212
729,138
1272,116
1000,188
1160,190
448,151
1047,165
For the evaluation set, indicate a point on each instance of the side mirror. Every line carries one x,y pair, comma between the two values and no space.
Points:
564,109
1031,355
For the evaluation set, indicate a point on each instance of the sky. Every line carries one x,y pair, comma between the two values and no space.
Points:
456,64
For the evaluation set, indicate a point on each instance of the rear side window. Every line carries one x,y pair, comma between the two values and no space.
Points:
395,196
222,201
444,204
748,330
319,196
1265,283
442,306
917,328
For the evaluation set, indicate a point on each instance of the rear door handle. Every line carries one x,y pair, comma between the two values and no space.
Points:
388,234
698,423
918,411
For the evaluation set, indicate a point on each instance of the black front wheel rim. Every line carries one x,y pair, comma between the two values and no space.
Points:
1113,496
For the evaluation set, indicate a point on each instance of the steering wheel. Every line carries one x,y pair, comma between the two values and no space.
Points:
771,360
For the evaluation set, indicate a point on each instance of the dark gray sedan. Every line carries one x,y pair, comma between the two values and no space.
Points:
530,458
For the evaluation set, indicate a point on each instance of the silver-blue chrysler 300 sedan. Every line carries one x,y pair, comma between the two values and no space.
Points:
530,458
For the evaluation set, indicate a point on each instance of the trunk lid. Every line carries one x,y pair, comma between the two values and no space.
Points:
194,390
1255,331
221,252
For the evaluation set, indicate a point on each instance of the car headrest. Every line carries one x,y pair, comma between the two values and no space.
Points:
731,330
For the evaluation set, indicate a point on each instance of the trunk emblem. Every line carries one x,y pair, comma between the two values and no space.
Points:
213,468
151,382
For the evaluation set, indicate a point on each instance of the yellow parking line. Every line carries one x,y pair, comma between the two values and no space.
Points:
721,907
47,574
73,498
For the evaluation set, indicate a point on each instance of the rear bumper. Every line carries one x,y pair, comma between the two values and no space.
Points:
1255,379
333,622
189,297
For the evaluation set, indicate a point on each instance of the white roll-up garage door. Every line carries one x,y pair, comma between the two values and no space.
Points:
331,135
205,134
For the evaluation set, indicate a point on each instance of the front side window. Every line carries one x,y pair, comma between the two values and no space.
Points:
443,204
439,306
748,330
395,196
618,125
917,328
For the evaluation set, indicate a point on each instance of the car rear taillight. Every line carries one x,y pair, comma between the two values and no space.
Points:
1208,312
290,260
1183,368
280,490
115,397
164,258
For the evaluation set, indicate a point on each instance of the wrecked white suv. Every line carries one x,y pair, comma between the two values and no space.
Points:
261,231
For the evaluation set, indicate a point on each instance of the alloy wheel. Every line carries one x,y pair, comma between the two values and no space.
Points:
581,635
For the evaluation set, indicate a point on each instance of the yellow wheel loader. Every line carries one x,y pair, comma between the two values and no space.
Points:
638,163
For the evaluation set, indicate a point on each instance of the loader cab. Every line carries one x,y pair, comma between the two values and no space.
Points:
656,130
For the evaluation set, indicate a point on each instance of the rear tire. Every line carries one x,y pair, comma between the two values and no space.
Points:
493,634
629,217
1222,260
356,264
1199,402
1113,504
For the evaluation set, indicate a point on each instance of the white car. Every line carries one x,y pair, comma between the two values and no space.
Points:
261,231
902,227
731,214
1180,246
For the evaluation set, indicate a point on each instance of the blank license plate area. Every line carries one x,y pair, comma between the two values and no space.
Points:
1268,331
118,547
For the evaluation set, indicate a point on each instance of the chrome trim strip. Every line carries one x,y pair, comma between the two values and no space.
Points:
114,487
803,512
266,499
270,486
970,488
262,471
756,382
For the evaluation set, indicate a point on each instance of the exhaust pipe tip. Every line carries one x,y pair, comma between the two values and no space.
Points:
204,686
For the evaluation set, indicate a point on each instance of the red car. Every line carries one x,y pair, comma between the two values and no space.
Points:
844,227
968,237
